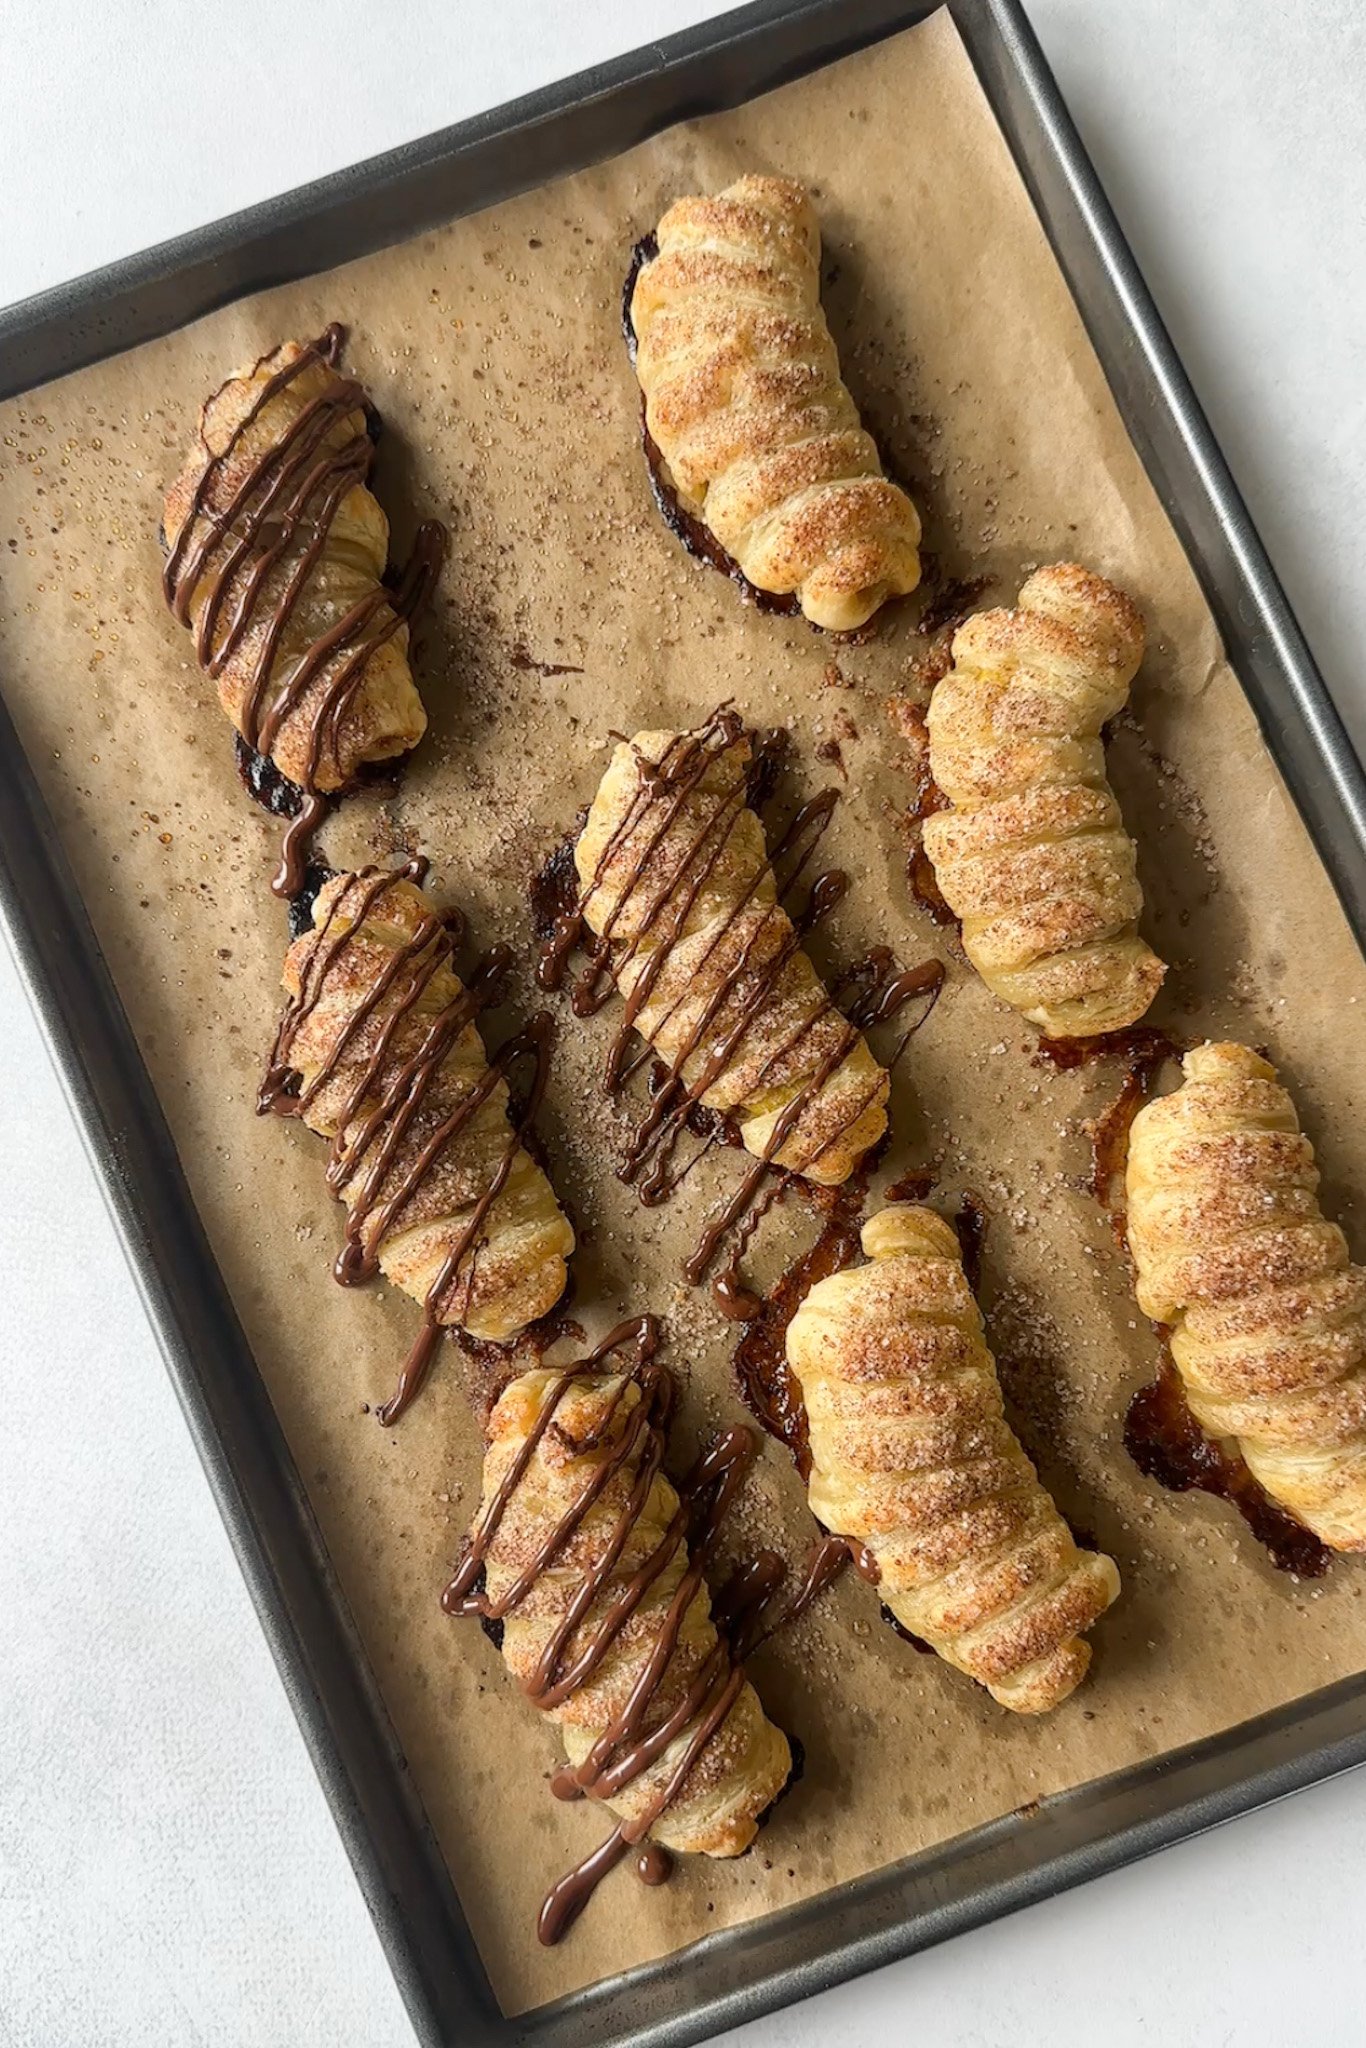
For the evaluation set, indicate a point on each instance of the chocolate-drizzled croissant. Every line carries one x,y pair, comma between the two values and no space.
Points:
378,1051
745,403
678,886
1267,1315
1033,856
275,557
581,1551
912,1458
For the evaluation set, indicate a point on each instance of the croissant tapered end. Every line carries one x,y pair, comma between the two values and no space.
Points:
912,1457
389,1064
554,1440
1267,1314
276,553
677,880
745,403
1032,855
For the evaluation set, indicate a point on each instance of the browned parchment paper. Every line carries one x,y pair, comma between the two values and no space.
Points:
493,350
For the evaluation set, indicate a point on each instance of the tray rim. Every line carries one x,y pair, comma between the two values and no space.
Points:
894,1911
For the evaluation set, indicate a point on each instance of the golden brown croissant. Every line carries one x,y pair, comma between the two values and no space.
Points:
678,885
744,401
913,1460
1033,856
581,1551
1267,1314
380,1044
275,558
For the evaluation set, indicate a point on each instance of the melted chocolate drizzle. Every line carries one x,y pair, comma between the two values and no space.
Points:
652,1160
554,889
884,989
826,1561
293,489
522,658
635,1738
363,1166
316,877
654,1865
264,783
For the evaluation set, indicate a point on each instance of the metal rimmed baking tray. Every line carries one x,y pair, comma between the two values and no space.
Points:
734,1975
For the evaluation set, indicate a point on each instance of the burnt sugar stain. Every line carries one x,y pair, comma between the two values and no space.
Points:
1167,1444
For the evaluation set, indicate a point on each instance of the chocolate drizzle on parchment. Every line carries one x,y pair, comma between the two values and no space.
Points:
363,1167
291,492
661,904
633,1438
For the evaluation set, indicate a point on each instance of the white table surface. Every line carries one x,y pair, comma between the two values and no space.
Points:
169,1873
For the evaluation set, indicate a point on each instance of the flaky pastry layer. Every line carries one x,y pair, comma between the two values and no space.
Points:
1032,855
1266,1312
744,400
381,974
272,513
676,876
746,1762
912,1458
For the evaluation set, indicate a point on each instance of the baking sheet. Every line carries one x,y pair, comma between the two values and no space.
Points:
492,349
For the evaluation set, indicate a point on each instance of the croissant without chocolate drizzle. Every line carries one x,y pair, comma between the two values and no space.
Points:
607,1624
380,1044
1267,1314
1033,856
913,1459
678,885
745,403
275,557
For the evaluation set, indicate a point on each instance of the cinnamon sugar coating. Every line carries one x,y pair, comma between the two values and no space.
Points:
744,400
1267,1314
1032,856
912,1457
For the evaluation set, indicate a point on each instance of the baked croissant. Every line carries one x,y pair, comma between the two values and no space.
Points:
580,1550
1266,1313
275,557
744,402
380,1047
913,1460
1033,856
678,885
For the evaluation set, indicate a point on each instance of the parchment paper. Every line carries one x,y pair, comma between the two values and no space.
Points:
493,350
